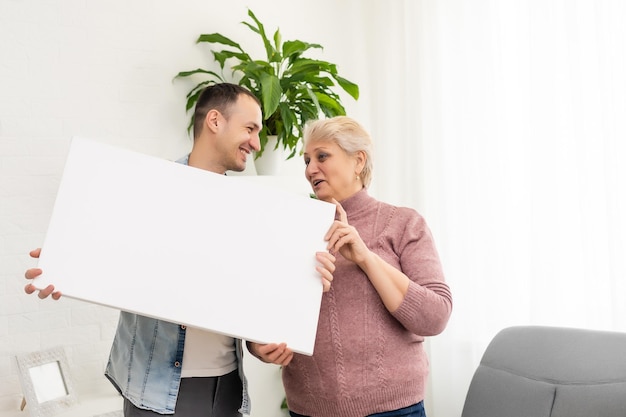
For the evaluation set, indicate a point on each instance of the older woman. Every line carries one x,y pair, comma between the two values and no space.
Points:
388,293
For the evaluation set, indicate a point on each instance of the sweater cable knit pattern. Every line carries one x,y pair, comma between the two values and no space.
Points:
336,341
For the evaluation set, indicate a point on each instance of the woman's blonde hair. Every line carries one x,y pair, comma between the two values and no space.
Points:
348,134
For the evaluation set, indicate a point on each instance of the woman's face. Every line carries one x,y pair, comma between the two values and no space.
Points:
331,172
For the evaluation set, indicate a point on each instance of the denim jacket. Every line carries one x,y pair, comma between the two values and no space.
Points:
146,361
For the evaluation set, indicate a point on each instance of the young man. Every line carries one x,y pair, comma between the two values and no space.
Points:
165,368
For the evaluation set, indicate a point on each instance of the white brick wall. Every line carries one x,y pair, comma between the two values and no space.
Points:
100,69
74,68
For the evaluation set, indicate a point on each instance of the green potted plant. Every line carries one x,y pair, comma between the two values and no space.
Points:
291,87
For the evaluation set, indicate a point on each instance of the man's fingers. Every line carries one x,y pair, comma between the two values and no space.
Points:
46,291
30,288
32,273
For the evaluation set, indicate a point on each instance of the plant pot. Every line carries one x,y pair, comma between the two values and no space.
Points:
272,159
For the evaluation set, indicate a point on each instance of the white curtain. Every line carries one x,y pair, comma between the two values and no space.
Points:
504,123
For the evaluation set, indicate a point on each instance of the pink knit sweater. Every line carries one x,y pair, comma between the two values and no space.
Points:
366,359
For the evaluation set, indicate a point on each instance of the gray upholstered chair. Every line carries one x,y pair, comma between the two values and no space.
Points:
536,371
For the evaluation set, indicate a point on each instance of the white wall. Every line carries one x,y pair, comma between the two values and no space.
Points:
104,69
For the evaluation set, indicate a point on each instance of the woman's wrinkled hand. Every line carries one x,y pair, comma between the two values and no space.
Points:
345,239
326,268
276,353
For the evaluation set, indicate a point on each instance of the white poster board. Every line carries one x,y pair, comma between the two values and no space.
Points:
169,241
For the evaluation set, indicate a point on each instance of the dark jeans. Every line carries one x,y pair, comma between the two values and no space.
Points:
415,410
201,397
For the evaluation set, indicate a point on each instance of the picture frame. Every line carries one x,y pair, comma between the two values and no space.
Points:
46,382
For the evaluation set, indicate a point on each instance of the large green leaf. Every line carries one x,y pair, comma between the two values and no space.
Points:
218,38
330,106
297,47
198,71
269,49
223,55
271,92
348,86
278,40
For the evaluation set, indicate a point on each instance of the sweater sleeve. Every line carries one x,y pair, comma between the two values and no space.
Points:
427,305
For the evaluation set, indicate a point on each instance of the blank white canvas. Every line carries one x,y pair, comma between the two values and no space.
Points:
158,238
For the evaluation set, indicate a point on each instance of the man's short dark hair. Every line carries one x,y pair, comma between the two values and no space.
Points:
219,97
